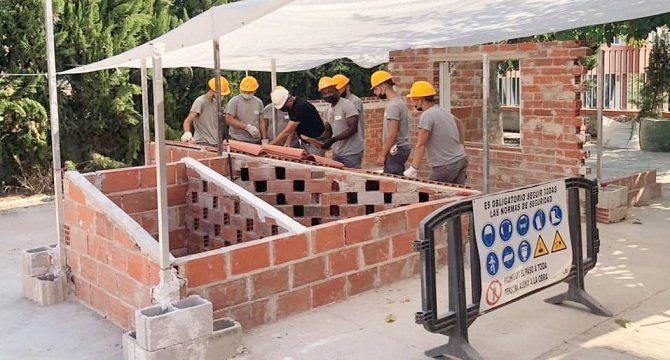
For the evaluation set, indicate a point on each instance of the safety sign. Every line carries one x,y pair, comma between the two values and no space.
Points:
523,238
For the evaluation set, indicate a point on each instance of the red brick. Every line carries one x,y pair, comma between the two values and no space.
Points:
89,269
177,194
252,314
70,212
280,186
148,177
250,258
318,186
98,247
86,218
294,302
361,281
120,314
392,223
120,180
206,270
376,252
122,239
82,290
100,300
328,199
402,244
327,237
290,248
126,288
78,240
344,260
269,282
391,272
75,193
180,173
72,261
416,213
103,226
228,294
309,271
298,174
359,230
140,201
138,268
387,186
107,279
261,173
329,291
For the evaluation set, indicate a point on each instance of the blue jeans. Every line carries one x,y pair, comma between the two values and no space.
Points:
395,164
351,161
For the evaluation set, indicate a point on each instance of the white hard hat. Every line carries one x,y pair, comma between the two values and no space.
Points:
279,96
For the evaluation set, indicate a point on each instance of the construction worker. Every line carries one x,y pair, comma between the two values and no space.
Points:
281,120
395,126
203,116
304,120
341,126
344,87
244,114
440,137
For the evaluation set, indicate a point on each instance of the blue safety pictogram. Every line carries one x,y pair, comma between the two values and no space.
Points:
506,229
555,215
523,224
492,263
524,251
539,220
488,235
508,257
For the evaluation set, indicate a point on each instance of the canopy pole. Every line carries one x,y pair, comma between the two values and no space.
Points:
217,74
600,103
273,81
145,113
55,132
485,120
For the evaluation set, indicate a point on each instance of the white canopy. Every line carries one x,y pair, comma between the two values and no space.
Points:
302,34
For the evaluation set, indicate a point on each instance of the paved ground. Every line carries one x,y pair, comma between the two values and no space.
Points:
621,162
630,279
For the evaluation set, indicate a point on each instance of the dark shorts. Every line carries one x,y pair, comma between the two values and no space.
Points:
351,161
395,164
453,173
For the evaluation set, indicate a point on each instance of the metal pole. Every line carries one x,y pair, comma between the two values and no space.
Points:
217,74
145,113
55,131
485,120
600,103
273,81
161,181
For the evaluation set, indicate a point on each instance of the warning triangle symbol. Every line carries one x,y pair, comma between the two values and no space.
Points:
558,244
540,248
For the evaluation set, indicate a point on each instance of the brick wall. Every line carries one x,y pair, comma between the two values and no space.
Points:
276,277
550,123
642,187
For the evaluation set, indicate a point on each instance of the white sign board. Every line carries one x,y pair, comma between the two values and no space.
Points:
523,238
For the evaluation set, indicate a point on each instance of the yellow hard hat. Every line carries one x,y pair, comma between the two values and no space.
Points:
379,77
225,86
249,84
340,80
325,82
421,89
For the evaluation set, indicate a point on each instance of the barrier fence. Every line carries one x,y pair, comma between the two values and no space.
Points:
507,236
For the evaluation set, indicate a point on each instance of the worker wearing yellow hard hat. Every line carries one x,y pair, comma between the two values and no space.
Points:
244,114
342,131
203,117
395,125
344,87
440,137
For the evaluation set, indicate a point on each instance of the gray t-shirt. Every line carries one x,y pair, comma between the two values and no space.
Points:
361,112
443,146
205,123
248,112
337,116
396,110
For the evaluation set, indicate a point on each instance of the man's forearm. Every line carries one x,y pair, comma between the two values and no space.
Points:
419,150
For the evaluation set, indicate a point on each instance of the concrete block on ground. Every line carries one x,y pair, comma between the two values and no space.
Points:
225,341
37,261
133,351
609,216
612,197
180,321
644,195
46,289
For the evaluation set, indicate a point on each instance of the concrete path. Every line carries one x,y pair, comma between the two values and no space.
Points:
630,280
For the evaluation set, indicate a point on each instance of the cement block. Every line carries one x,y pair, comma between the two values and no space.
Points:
177,323
612,197
225,341
37,261
133,351
45,290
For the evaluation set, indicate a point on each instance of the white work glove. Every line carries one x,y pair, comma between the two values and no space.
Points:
394,150
265,142
253,131
186,137
410,172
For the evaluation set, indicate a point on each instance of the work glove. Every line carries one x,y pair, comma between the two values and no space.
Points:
394,150
253,131
186,137
265,142
410,172
326,144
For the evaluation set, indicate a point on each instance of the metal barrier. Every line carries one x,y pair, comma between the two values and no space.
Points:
460,315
